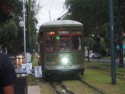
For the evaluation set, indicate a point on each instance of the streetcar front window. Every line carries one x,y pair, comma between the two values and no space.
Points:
65,41
64,44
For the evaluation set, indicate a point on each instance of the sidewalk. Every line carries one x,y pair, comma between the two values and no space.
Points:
33,90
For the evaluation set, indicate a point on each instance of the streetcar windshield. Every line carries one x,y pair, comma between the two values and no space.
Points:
63,41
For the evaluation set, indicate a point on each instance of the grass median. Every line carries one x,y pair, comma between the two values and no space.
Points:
102,79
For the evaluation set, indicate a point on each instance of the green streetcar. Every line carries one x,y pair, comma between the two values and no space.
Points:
61,48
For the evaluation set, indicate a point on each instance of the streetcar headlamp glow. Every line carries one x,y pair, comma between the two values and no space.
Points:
64,60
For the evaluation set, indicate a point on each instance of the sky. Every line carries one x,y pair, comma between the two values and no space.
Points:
50,10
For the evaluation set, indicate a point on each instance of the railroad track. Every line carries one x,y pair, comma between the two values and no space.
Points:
106,71
92,87
63,87
60,88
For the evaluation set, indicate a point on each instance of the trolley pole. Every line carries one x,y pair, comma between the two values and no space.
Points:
24,29
113,67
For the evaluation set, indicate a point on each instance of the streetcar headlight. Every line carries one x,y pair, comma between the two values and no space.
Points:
65,60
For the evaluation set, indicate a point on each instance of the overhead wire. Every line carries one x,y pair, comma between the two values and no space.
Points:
50,9
51,4
62,14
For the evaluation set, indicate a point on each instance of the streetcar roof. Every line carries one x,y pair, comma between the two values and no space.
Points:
60,23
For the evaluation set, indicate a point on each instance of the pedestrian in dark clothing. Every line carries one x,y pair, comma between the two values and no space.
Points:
7,75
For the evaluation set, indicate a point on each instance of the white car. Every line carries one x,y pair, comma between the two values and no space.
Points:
94,56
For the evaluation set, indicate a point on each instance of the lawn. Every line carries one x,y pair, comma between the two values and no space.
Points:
103,79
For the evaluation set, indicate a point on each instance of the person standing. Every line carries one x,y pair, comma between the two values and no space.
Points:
7,75
28,57
28,63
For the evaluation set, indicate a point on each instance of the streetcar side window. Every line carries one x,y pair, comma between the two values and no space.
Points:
50,41
49,44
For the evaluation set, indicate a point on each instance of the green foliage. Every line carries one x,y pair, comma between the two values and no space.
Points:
91,13
95,17
9,9
8,31
33,8
11,35
10,28
88,42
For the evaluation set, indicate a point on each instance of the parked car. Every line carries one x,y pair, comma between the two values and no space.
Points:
96,56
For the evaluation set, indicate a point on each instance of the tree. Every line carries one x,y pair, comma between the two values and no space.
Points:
10,10
93,14
33,8
119,19
10,16
8,34
88,42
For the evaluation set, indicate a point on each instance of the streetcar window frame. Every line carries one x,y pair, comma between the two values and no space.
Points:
52,44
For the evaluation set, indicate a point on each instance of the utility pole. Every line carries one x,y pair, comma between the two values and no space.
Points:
113,67
24,29
27,21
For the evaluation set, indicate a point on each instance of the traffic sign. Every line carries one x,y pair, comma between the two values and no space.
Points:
38,71
21,23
